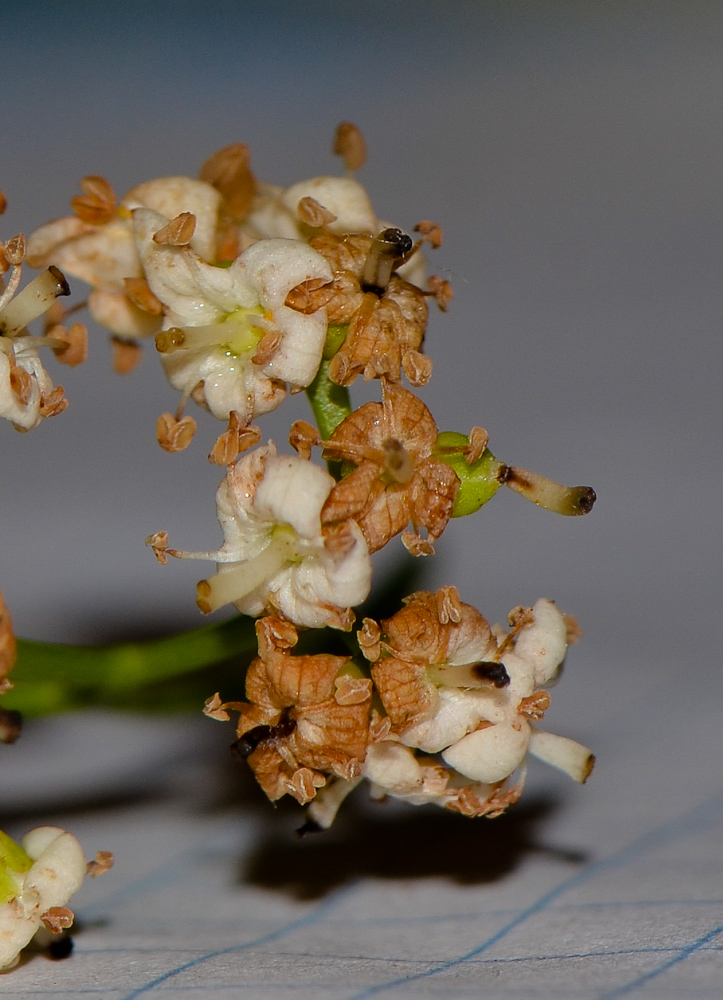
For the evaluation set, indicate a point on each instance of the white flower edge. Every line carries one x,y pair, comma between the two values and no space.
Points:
275,212
57,873
274,554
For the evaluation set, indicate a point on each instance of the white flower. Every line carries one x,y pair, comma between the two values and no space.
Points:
37,879
275,554
27,394
104,254
227,328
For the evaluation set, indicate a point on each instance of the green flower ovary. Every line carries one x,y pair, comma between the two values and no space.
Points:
245,334
13,862
479,481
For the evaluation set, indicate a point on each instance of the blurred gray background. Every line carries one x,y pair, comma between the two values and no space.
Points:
572,153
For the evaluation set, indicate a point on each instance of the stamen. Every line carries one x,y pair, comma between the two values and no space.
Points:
35,299
243,578
240,332
386,249
570,501
12,286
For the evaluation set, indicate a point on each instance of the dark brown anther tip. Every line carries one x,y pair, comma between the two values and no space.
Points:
586,499
491,670
399,243
63,286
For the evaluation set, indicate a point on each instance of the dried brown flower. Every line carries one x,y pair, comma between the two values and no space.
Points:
305,717
424,645
396,479
387,316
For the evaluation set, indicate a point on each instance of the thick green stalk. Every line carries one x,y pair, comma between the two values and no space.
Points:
55,678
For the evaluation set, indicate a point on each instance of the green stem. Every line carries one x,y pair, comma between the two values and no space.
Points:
55,678
330,403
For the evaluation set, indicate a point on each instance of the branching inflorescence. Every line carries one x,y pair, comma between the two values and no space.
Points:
250,292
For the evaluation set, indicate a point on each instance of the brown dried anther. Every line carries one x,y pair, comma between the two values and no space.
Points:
229,172
304,719
57,919
302,438
178,232
349,143
126,355
73,347
53,403
440,290
103,863
158,542
173,434
236,439
140,294
8,645
396,480
430,232
313,214
97,204
14,250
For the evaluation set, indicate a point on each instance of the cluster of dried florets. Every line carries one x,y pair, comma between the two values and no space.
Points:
451,724
252,292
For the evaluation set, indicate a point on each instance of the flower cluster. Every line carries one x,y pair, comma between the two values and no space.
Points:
252,292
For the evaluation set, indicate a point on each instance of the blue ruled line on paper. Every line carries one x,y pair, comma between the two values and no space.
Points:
708,812
703,818
308,918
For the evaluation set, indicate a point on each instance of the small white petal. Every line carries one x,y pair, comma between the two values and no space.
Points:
456,714
490,754
343,197
173,195
544,643
293,491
